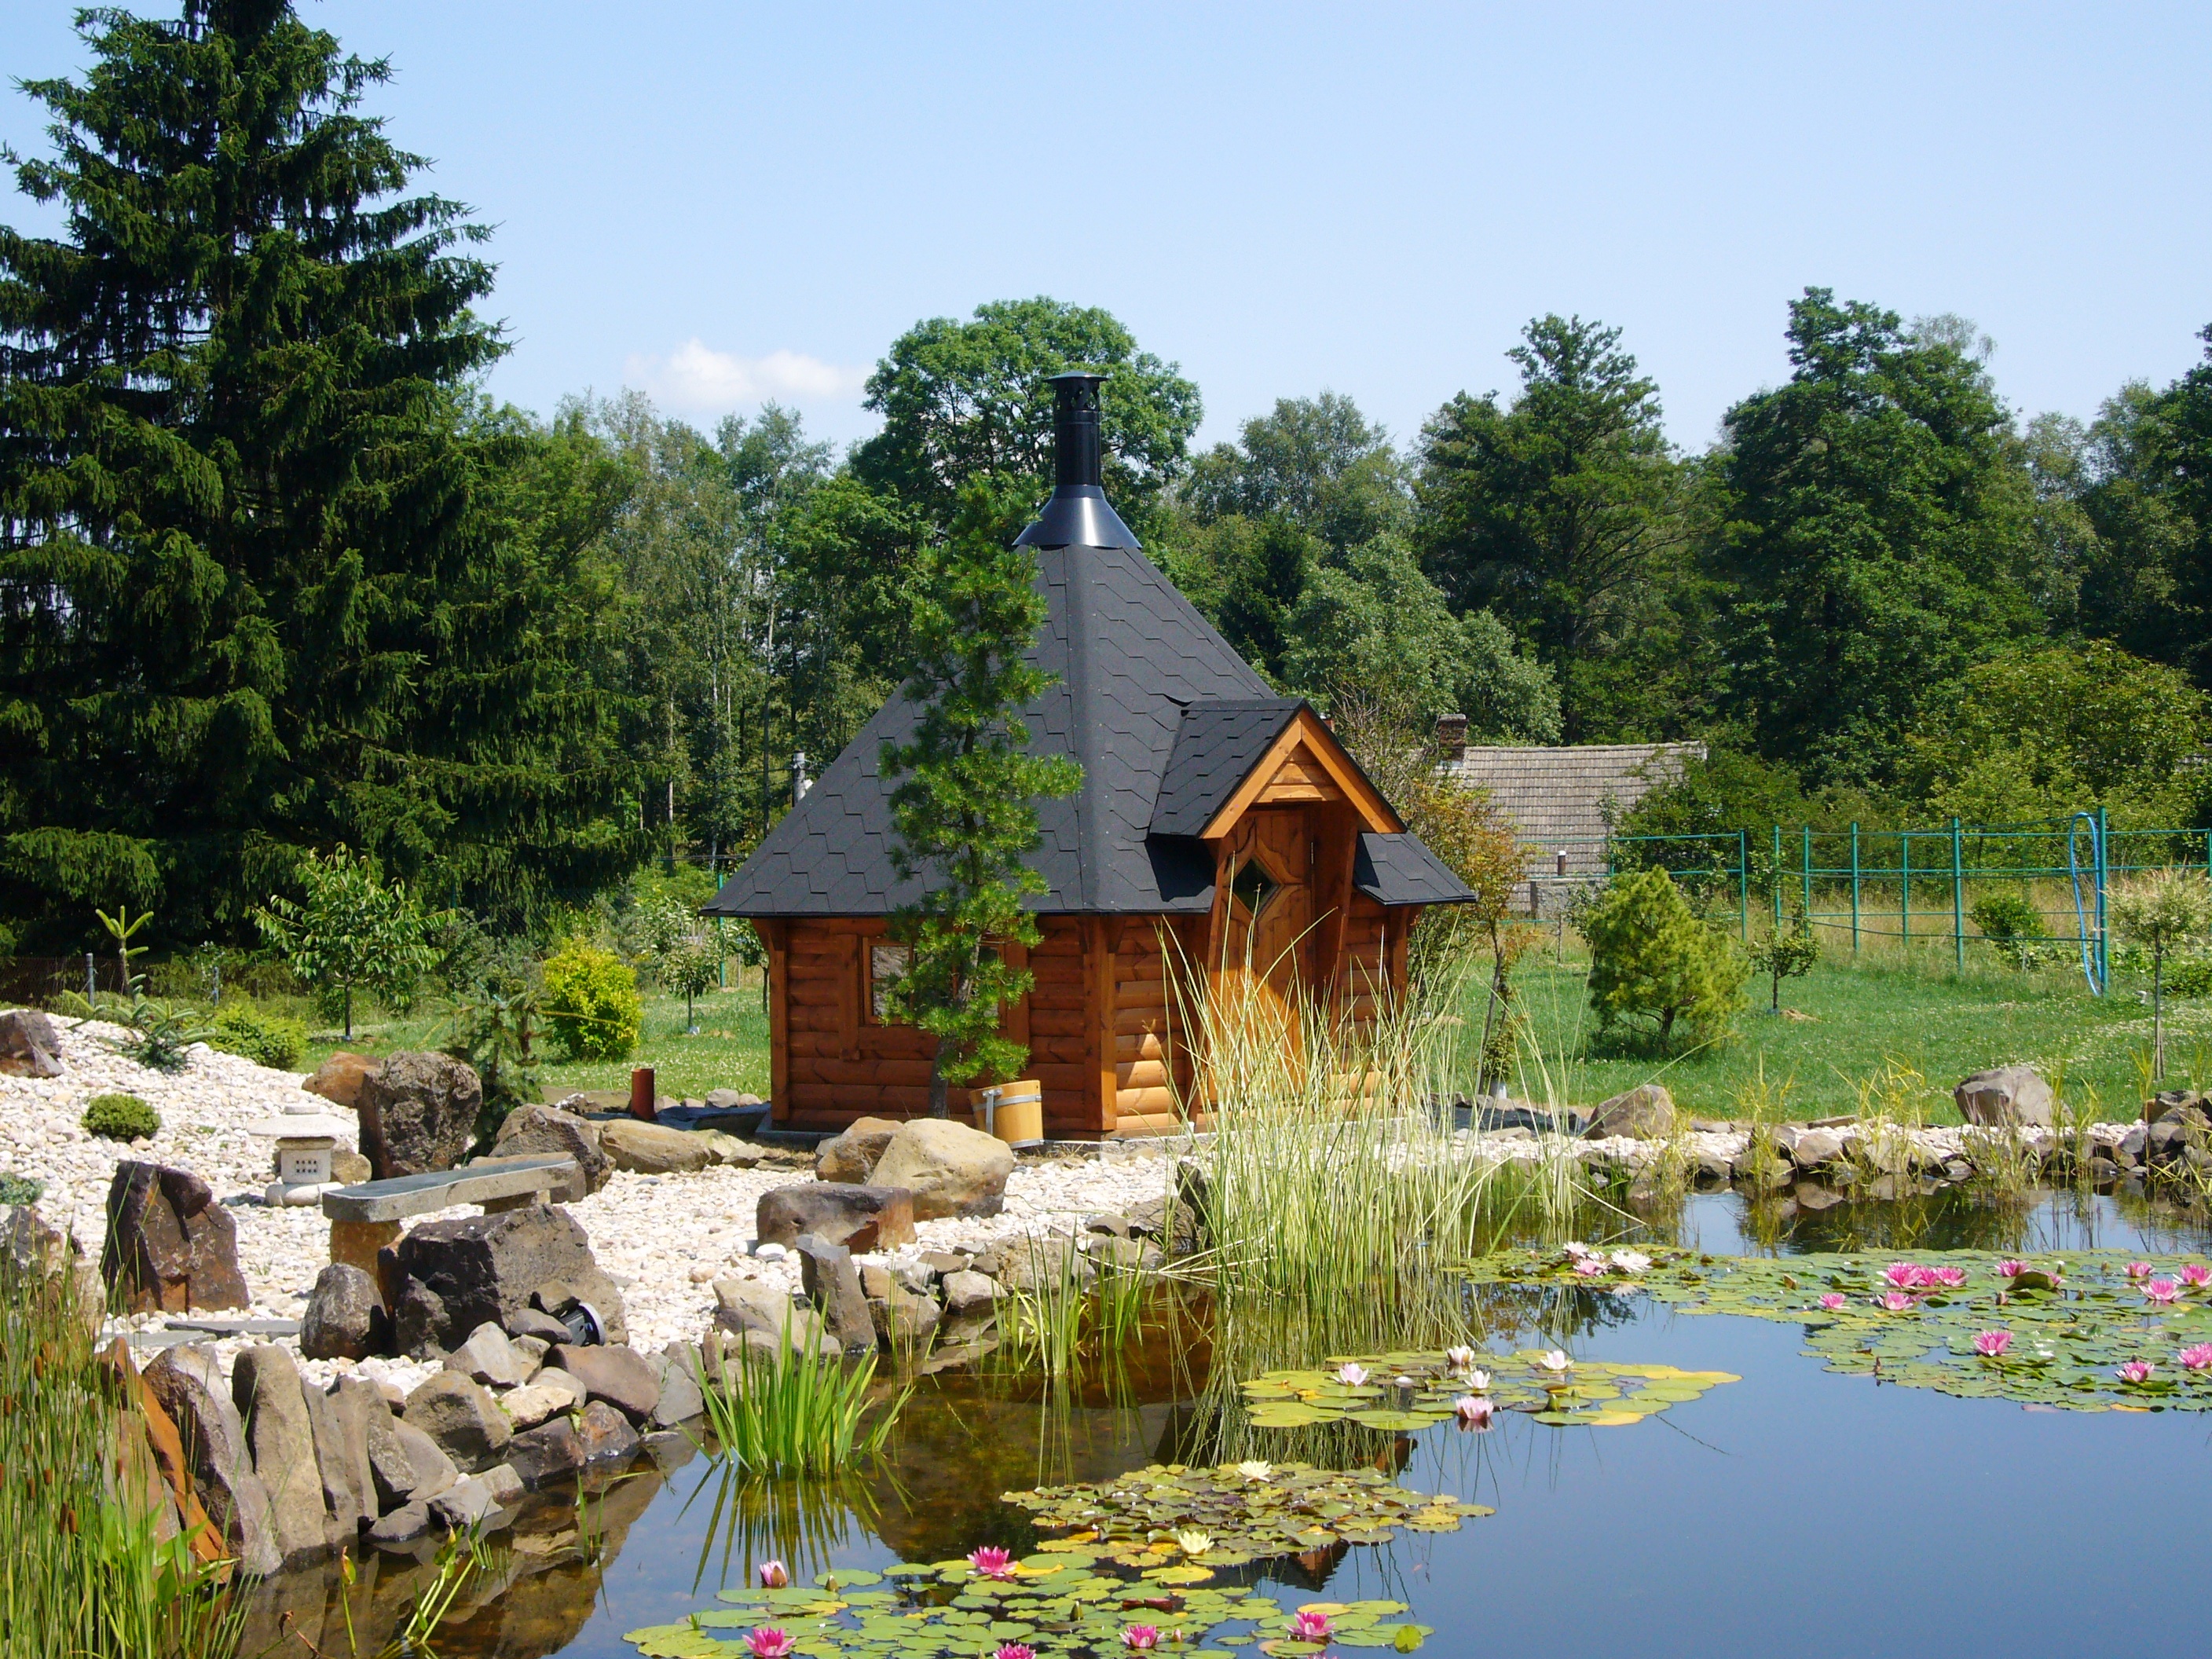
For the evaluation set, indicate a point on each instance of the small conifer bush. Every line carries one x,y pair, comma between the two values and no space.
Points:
1652,959
266,1039
120,1117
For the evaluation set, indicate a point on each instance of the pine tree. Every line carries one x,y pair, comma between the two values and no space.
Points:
964,810
264,585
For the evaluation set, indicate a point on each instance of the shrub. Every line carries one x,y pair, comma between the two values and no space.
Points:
120,1117
266,1039
591,1002
20,1188
1651,958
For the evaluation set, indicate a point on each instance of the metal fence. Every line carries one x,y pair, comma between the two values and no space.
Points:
1907,885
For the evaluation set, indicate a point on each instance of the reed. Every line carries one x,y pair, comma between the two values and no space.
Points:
791,1412
1070,1311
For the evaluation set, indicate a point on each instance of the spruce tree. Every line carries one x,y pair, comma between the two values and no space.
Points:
263,586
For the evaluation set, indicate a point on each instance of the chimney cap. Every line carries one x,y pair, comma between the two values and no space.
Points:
1077,515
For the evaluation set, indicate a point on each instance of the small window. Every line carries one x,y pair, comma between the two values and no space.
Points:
886,964
1252,887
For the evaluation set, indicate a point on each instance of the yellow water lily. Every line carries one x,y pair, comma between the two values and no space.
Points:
1255,1470
1192,1541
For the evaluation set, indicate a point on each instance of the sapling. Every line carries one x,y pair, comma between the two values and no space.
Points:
2161,912
1786,955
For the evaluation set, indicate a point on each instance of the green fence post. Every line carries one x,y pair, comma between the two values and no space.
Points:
1808,875
2104,953
1774,877
1855,885
1958,900
1905,889
1743,883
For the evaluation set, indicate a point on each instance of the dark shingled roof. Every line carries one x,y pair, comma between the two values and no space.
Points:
1164,716
1216,748
1400,870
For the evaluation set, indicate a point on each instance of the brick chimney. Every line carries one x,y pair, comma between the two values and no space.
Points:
1452,735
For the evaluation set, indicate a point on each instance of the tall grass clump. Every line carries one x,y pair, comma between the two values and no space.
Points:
84,1573
1070,1310
791,1412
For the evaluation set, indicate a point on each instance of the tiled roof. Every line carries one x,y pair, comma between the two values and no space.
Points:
1216,747
1400,870
1556,798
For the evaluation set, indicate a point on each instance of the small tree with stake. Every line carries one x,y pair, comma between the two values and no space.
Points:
1785,954
2162,911
964,810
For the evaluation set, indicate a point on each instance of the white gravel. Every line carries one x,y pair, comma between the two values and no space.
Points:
663,1238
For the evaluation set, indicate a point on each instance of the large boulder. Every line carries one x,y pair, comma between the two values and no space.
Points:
852,1155
462,1419
418,1113
949,1168
339,1078
641,1148
862,1218
832,1283
456,1274
763,1313
1644,1113
621,1377
339,1422
265,1388
189,1385
30,1046
547,1451
345,1318
405,1463
532,1130
2014,1095
171,1248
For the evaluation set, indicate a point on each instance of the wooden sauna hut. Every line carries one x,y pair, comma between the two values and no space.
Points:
1215,818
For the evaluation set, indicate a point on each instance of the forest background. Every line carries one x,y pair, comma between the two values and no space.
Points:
275,577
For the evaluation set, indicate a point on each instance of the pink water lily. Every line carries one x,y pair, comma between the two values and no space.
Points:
1352,1375
2162,1291
1474,1410
1904,1275
992,1562
1949,1278
2197,1359
1310,1627
1014,1651
2196,1275
2137,1370
1992,1344
769,1642
1141,1638
774,1575
1589,1265
1833,1300
2138,1270
1895,1302
2012,1269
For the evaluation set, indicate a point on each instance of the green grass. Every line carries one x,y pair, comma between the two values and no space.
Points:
1887,1016
729,1052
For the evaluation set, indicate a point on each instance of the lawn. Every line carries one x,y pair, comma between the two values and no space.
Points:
729,1052
1845,1029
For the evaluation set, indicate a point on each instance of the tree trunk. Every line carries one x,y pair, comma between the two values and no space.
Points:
348,1011
2158,1014
937,1089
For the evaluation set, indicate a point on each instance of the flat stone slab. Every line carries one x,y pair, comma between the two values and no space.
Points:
235,1327
484,1183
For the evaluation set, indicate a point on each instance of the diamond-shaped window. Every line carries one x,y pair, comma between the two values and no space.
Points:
1252,887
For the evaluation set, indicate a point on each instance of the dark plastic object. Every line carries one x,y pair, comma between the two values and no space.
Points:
582,1320
1078,514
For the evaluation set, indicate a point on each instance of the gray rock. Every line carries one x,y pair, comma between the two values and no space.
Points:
346,1317
730,1100
966,1292
29,1047
678,1373
832,1283
401,1525
350,1169
618,1376
532,1323
604,1432
641,1148
339,1420
504,1485
418,1113
852,1156
862,1218
406,1464
1643,1113
171,1248
549,1452
951,1168
1023,1264
2132,1144
534,1402
461,1417
488,1357
904,1318
189,1387
460,1273
339,1078
1114,1227
1812,1195
2008,1094
1810,1149
265,1388
530,1130
470,1503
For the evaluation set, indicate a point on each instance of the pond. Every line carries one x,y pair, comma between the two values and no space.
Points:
1795,1508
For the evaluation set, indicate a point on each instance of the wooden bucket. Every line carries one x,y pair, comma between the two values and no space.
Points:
1014,1112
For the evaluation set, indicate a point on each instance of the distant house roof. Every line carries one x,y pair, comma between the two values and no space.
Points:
1557,799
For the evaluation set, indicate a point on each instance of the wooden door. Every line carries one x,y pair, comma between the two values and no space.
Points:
1269,914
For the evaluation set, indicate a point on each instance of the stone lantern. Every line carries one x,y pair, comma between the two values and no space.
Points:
306,1141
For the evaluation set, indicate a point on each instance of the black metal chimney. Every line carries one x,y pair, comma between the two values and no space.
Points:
1078,514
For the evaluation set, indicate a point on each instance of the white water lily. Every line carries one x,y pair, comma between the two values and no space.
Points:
1350,1374
1459,1358
1192,1541
1255,1471
1554,1360
1631,1261
1477,1379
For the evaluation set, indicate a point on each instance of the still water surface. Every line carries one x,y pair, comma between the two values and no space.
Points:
1792,1512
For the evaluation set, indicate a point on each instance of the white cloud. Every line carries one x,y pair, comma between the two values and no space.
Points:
694,377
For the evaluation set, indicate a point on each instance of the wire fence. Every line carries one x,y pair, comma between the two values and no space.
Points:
1915,887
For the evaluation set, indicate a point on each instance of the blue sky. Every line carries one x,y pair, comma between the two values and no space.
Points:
719,203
